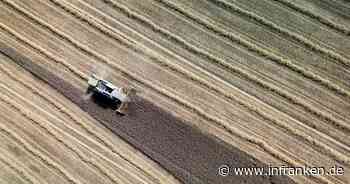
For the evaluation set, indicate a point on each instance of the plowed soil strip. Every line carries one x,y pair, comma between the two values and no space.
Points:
188,154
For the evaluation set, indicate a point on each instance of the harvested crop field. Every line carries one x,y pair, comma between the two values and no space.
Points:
243,83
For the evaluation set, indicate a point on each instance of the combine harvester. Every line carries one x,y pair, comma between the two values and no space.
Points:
116,95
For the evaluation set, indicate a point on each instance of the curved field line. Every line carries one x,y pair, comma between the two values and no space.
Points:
234,131
300,9
18,170
258,50
75,119
246,75
338,156
301,39
333,153
36,152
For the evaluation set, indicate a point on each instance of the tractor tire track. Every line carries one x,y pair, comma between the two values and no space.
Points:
340,157
331,24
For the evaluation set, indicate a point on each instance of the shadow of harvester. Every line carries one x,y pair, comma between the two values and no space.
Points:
104,101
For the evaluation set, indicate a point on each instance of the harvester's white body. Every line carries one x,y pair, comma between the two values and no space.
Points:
108,90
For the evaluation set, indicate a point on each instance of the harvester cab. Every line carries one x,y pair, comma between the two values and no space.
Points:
116,95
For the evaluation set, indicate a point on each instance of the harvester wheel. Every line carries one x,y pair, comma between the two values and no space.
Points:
89,90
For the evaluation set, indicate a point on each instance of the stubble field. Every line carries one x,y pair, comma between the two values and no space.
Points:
269,77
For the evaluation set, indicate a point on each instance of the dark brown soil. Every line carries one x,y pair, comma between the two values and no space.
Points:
189,155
